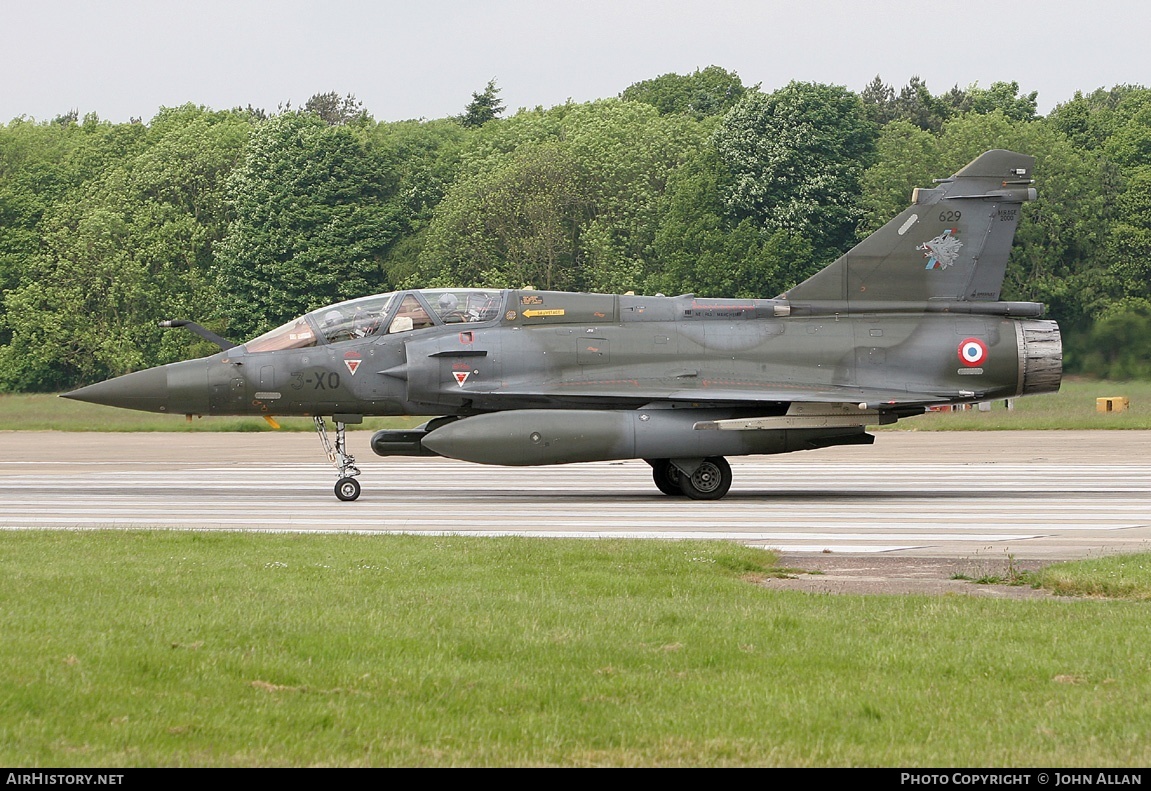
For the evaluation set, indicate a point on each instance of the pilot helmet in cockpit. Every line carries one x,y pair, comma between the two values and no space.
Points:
448,303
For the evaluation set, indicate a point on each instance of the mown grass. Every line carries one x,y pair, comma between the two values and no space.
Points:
1073,407
48,412
156,648
1117,577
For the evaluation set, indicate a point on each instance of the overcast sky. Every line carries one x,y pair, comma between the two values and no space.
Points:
425,58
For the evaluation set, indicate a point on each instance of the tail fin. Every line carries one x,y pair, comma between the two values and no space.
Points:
951,244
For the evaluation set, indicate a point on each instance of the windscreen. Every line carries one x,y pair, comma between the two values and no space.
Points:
357,318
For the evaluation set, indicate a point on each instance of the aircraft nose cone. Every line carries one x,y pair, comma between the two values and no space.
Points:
146,390
177,388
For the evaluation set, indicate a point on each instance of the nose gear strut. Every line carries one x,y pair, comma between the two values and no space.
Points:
347,487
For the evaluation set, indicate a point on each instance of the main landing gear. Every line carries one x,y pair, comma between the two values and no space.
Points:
347,487
697,479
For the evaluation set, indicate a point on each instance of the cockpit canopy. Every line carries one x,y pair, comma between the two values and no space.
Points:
398,311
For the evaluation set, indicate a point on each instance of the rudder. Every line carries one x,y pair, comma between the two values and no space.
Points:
951,244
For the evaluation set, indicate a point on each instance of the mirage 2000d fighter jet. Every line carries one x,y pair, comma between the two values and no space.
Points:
907,319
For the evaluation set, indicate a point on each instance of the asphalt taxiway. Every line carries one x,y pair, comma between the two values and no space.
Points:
1027,495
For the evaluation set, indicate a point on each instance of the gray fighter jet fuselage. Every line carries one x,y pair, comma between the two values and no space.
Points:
909,318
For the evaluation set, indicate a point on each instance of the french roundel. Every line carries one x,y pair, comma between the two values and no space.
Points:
972,352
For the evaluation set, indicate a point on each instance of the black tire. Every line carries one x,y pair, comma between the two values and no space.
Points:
347,489
710,481
666,477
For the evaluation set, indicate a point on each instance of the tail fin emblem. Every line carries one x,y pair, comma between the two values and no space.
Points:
942,251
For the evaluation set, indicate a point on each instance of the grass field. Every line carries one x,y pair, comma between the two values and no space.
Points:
48,412
1073,407
154,648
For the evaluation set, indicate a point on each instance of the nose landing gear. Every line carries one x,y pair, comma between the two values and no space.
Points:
347,487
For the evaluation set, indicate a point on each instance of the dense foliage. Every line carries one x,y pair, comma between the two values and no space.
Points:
241,219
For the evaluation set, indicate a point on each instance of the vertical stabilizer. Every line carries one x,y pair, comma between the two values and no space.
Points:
952,243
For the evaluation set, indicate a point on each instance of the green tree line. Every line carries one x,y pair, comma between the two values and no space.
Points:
241,219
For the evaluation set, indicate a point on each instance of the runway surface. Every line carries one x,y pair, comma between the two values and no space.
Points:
1032,495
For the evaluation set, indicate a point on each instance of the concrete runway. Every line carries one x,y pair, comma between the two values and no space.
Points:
1049,495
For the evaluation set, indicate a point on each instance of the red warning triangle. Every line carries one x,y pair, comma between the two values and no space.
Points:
461,377
352,366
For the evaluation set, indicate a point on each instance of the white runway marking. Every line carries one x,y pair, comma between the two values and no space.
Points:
926,508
